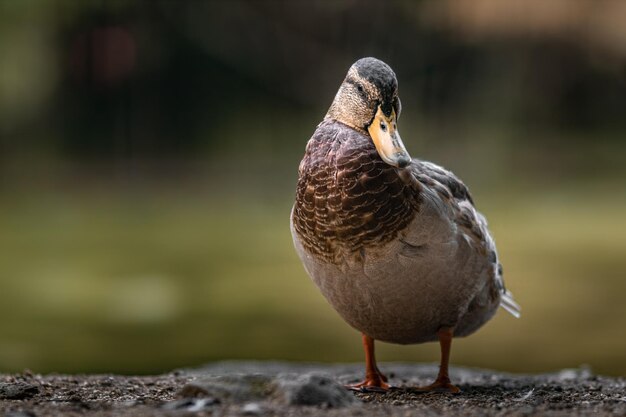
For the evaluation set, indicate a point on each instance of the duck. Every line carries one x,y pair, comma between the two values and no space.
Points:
394,244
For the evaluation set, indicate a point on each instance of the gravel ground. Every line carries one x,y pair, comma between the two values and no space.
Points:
284,389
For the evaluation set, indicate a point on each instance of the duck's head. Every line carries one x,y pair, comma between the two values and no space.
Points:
368,101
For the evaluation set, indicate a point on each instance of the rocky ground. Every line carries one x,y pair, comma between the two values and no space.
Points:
284,389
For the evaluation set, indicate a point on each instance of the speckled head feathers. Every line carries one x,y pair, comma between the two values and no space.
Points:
369,83
381,76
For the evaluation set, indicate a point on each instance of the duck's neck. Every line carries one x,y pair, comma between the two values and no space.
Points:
332,117
344,109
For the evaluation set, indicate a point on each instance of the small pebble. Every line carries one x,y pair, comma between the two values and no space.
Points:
252,409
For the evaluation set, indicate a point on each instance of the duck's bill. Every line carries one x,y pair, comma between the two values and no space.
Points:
387,140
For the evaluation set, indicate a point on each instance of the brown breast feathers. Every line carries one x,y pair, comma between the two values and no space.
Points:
347,198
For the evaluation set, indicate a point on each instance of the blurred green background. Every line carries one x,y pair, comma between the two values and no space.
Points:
149,154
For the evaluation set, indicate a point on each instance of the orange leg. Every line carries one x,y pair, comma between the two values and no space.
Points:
374,379
442,383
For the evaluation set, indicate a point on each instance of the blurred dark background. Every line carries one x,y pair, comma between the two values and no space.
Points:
149,153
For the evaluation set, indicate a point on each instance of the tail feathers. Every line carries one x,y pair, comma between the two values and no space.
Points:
508,303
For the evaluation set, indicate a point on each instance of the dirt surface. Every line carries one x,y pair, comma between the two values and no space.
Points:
283,389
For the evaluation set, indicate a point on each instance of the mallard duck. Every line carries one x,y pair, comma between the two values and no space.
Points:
393,243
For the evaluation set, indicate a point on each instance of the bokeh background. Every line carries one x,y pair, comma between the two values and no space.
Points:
149,154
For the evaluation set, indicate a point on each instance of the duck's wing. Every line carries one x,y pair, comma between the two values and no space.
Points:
472,223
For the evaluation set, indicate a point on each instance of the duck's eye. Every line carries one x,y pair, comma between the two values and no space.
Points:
383,126
359,87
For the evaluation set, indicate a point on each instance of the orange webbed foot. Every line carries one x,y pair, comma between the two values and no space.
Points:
371,384
440,385
382,376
